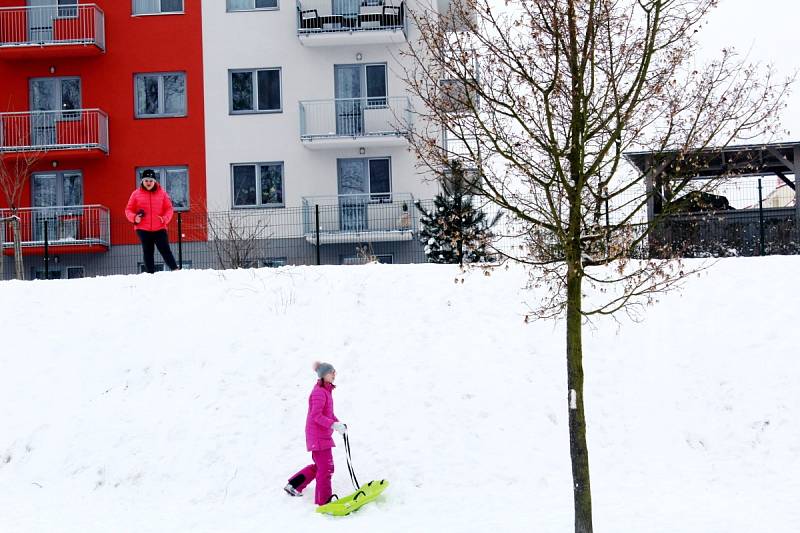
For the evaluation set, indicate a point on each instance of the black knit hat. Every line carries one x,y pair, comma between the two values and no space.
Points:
148,173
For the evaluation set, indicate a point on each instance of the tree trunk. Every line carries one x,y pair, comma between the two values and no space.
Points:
579,452
19,266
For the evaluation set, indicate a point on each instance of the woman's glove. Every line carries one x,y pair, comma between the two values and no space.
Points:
339,428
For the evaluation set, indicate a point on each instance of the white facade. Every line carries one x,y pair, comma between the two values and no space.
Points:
262,39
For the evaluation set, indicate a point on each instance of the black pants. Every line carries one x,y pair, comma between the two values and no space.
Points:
150,241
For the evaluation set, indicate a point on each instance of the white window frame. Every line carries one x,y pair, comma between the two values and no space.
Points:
161,113
161,173
159,13
254,79
246,10
258,204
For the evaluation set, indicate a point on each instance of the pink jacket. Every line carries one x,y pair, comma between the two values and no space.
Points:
156,205
319,433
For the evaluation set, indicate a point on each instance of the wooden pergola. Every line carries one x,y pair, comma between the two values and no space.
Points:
659,169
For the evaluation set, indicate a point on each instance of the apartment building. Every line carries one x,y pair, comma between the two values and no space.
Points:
306,107
294,113
93,93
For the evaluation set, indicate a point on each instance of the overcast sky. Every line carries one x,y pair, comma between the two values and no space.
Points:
768,31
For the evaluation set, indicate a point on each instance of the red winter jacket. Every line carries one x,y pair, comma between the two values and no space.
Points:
156,205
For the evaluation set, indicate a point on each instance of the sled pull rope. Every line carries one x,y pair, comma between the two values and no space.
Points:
350,459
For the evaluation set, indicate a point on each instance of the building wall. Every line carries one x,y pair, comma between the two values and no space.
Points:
263,39
134,44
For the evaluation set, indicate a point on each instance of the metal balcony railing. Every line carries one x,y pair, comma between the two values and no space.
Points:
376,217
78,225
354,117
350,16
34,131
82,24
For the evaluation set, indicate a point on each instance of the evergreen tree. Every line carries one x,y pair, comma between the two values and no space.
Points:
455,231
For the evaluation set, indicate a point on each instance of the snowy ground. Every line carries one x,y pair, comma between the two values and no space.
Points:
176,403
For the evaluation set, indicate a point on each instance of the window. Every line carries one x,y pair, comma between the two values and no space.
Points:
376,85
161,267
54,94
175,181
273,262
57,189
366,258
67,9
358,81
257,185
455,96
255,91
380,180
270,262
251,5
75,272
54,272
161,95
157,7
362,177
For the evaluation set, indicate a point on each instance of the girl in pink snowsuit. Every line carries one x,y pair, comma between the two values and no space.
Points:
320,425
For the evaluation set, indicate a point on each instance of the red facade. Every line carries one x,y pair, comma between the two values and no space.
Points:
115,46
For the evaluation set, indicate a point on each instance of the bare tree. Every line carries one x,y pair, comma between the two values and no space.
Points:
546,97
15,170
238,240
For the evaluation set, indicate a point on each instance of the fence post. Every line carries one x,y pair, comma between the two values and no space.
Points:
760,220
46,249
180,241
316,224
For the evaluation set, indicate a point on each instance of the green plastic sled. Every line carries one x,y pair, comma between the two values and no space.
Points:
355,501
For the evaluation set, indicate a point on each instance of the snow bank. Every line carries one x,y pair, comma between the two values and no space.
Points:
176,402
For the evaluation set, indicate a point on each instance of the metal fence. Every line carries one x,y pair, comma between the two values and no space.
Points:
74,226
318,17
749,216
354,117
74,129
355,229
82,24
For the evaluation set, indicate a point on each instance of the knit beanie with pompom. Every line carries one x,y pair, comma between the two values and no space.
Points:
323,368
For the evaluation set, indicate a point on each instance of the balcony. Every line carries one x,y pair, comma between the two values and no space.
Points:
45,32
351,22
355,122
75,133
359,218
71,229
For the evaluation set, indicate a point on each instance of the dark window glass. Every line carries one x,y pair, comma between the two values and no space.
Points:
171,6
376,85
379,179
242,91
269,90
271,184
244,185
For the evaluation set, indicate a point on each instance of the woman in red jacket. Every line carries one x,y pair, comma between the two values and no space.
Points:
149,209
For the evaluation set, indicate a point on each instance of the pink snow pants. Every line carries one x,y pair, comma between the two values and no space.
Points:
322,471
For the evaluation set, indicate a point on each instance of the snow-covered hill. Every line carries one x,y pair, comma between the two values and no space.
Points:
176,403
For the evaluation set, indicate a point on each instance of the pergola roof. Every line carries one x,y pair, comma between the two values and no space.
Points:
741,160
